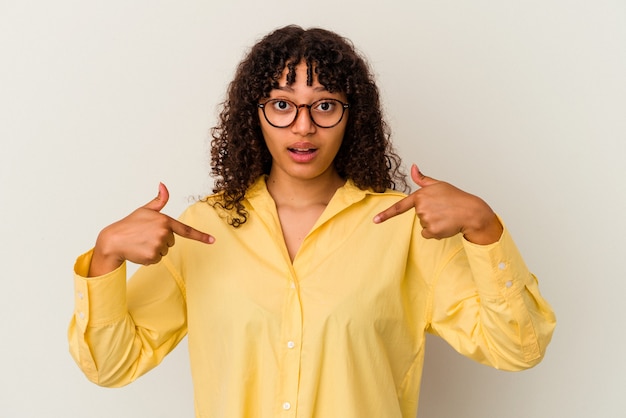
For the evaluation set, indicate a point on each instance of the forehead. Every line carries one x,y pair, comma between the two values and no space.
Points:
306,76
302,73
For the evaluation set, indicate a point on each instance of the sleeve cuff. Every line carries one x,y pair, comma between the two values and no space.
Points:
498,268
98,300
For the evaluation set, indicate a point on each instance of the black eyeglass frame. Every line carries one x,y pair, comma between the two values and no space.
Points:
344,106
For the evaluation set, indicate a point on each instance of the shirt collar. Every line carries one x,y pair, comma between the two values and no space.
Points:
264,206
345,196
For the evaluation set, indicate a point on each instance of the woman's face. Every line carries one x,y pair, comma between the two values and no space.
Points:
302,150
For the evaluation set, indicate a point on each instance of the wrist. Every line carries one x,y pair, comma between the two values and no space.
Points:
104,259
486,230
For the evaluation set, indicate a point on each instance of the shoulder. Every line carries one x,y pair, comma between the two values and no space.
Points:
378,199
205,209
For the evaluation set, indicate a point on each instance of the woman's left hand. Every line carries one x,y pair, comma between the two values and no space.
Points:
444,211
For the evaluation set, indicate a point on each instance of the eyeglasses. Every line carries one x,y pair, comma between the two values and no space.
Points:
325,113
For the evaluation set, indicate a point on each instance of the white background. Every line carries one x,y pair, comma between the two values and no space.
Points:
522,103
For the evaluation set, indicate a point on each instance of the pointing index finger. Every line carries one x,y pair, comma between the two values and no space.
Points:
187,231
396,209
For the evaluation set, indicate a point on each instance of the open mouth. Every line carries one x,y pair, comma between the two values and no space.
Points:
302,151
303,155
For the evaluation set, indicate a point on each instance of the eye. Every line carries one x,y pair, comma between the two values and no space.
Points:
281,105
325,106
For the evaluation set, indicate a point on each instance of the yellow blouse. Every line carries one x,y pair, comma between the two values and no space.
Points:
339,332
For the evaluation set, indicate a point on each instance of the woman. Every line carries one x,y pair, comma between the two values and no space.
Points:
313,292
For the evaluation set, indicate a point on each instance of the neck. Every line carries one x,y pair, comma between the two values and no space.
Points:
303,192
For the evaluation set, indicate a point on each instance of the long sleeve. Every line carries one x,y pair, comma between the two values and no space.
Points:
119,331
487,306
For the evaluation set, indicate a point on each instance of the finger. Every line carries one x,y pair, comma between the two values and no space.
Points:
427,234
426,231
186,231
420,179
399,207
160,201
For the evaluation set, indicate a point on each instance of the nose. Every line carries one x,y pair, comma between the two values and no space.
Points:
303,125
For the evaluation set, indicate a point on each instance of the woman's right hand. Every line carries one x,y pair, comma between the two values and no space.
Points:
143,237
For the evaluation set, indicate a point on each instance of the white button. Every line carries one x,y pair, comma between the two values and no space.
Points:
80,295
502,266
291,344
293,285
286,406
81,315
508,284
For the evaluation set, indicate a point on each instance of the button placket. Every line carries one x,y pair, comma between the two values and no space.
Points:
291,334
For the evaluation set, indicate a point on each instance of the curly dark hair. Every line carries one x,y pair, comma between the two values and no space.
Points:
239,154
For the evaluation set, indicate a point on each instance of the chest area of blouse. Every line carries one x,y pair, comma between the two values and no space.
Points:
345,272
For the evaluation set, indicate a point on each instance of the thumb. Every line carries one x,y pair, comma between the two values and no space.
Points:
420,179
160,201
